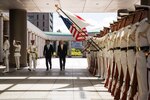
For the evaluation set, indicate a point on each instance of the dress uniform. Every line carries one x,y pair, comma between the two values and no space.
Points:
32,50
142,45
148,64
124,66
117,60
99,57
131,54
104,64
106,53
110,61
6,47
17,53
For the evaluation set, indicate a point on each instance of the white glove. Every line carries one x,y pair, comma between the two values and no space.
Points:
14,41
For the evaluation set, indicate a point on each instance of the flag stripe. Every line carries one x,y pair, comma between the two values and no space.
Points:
77,35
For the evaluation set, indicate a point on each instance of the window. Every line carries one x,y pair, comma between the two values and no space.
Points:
30,17
37,24
43,17
43,24
37,16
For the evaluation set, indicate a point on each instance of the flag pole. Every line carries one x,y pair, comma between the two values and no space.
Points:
96,47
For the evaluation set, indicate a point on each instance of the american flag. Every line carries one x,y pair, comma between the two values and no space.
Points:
78,35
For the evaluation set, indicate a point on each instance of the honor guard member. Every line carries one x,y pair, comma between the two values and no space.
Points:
131,49
32,50
99,55
112,60
102,58
17,45
6,47
148,65
142,46
123,45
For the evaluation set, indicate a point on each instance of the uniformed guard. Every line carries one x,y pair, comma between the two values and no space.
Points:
126,78
17,45
122,43
112,58
32,50
131,52
116,57
142,46
6,47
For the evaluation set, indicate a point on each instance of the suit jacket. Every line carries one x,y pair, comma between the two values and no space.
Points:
62,52
48,52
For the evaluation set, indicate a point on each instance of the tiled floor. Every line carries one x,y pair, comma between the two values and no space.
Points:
75,83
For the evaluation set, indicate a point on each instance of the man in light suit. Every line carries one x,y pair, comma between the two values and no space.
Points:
33,55
62,53
48,52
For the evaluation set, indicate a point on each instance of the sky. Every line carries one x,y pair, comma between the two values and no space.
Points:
97,21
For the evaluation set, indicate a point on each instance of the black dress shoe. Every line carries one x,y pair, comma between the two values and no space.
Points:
47,69
63,67
29,69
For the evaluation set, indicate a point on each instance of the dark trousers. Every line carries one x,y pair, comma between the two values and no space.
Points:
48,60
62,61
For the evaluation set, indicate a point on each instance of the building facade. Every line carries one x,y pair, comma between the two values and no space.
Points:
43,21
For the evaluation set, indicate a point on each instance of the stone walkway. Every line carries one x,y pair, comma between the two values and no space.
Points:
75,83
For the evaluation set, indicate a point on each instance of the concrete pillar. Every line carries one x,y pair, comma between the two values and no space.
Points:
40,47
1,38
6,27
18,31
69,48
28,38
146,2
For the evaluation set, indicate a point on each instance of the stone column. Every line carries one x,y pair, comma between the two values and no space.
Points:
40,47
6,27
1,38
18,31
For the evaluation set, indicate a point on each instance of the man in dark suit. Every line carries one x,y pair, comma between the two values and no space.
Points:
48,52
62,53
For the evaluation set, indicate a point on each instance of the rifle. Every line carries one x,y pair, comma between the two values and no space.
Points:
133,86
96,65
119,85
91,64
108,76
115,80
126,85
111,79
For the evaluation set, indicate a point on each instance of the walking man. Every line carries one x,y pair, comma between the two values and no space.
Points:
62,52
48,52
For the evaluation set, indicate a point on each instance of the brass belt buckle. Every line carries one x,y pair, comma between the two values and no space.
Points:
138,49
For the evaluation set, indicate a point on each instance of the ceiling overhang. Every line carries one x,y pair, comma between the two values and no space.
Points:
75,6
